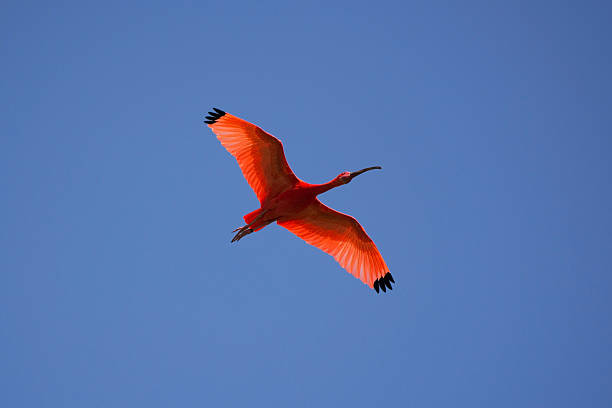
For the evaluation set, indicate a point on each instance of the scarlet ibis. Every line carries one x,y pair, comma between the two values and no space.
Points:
293,203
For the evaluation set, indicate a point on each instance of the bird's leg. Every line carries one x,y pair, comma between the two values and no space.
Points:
246,230
252,222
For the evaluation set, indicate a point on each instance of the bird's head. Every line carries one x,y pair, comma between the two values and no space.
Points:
346,176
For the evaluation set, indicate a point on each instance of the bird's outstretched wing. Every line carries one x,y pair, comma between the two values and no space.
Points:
342,237
259,154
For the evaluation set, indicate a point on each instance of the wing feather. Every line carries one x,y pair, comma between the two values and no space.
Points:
342,237
259,154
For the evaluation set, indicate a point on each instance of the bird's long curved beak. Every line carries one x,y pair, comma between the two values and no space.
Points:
356,173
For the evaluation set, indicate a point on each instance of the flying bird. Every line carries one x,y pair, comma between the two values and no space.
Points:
293,204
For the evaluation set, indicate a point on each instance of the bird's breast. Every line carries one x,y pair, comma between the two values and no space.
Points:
291,202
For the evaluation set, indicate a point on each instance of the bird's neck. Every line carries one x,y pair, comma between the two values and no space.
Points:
321,188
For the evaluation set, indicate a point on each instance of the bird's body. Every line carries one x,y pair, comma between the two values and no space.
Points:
293,203
288,204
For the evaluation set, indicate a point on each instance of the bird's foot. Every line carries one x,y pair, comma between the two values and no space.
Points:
242,231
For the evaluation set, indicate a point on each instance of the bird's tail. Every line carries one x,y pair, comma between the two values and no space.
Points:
251,216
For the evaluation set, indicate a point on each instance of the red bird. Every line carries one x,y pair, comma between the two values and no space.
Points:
293,203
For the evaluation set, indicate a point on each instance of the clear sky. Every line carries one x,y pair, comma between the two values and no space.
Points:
492,121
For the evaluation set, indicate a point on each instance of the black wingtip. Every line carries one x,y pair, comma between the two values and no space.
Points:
384,283
213,117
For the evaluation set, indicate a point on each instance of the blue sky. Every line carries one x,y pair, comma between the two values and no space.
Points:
119,285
